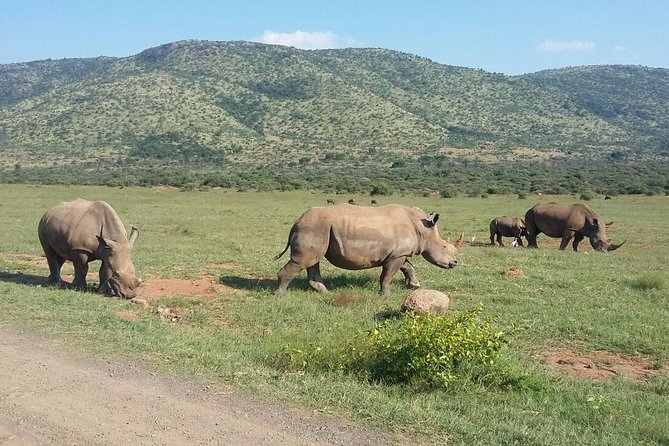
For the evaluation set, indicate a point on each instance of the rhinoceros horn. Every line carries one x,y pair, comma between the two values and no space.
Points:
613,246
460,241
133,236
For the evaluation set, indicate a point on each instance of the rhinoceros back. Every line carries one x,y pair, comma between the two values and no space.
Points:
73,226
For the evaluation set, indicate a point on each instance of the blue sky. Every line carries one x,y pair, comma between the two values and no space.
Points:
511,37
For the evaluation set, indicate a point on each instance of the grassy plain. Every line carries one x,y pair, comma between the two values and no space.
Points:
586,301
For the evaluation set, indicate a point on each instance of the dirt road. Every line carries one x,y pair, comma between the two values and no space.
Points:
48,397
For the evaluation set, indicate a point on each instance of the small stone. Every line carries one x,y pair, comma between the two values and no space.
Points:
140,302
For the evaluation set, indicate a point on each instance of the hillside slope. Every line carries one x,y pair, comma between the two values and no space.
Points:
248,110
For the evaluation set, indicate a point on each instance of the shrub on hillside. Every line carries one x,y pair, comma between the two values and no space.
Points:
449,192
381,188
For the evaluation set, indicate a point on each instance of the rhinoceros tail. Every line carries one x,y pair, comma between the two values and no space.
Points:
290,239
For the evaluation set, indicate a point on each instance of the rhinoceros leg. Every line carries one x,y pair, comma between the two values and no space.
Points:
315,279
577,240
409,275
286,274
389,268
55,264
567,235
80,262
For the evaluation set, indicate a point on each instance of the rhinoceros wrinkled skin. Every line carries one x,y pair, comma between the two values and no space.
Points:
359,237
567,221
506,226
82,231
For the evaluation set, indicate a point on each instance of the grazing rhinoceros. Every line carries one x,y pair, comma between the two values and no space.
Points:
360,237
82,231
567,221
507,227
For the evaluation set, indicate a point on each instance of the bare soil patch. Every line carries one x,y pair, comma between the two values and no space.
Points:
513,272
600,365
206,287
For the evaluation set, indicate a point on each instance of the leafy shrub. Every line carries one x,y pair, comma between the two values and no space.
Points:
522,195
381,188
449,192
427,350
420,351
585,196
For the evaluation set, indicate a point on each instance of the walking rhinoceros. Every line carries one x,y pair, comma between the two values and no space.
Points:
507,227
360,237
567,221
82,231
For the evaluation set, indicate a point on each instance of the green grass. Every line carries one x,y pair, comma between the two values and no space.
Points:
585,301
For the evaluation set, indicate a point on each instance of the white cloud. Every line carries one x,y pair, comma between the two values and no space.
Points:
559,46
306,40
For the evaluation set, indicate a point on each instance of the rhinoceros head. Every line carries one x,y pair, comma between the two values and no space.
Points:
117,273
597,234
436,250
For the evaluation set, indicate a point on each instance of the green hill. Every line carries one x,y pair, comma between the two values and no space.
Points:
242,110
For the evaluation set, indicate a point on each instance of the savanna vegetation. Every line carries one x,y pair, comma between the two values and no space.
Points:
333,352
251,116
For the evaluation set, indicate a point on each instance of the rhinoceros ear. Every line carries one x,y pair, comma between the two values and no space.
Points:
106,243
432,219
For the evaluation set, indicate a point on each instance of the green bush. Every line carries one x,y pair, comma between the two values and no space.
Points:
585,196
420,351
381,188
449,192
427,350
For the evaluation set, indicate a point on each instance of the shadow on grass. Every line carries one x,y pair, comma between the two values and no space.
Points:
248,283
302,284
386,314
23,279
42,281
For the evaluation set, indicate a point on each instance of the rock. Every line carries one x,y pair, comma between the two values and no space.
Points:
422,301
168,314
140,302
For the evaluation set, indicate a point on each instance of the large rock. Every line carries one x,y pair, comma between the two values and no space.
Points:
422,301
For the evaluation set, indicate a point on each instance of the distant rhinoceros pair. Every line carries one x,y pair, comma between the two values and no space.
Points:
565,221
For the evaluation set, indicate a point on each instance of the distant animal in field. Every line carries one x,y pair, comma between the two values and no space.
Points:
82,231
607,197
352,201
506,226
365,237
330,201
567,221
373,202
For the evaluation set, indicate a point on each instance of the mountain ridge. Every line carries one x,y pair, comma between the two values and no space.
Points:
207,104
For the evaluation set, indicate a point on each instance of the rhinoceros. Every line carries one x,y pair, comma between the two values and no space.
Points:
507,227
82,231
360,237
567,221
